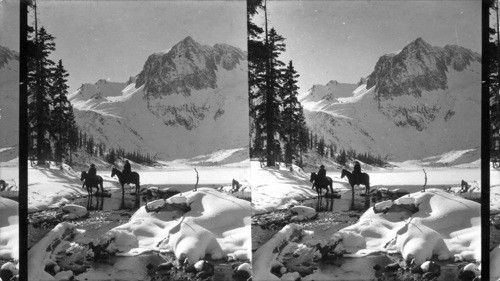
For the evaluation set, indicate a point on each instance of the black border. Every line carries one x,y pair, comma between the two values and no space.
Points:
23,144
485,146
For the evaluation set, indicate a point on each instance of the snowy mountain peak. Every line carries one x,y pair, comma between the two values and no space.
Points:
174,106
187,66
418,67
418,96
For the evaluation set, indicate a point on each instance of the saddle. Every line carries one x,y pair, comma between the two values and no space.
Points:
322,181
356,178
127,177
92,180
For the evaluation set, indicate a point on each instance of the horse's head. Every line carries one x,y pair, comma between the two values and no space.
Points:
113,171
343,174
83,175
313,177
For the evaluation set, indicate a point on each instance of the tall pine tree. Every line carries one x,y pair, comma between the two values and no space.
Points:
39,92
62,125
291,116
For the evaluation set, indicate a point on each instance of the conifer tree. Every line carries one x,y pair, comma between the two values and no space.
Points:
62,113
40,45
290,124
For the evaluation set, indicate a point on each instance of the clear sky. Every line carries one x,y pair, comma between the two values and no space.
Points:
342,40
9,24
112,39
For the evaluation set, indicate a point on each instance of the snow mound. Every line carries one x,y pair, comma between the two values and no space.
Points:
9,229
442,224
72,211
217,224
301,213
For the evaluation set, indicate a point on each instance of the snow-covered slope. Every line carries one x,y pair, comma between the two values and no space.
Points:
188,101
9,105
420,102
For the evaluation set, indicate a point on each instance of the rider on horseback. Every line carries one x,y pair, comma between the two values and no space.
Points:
92,174
127,171
357,172
322,175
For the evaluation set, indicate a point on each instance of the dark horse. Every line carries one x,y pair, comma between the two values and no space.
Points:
134,178
89,183
364,180
321,185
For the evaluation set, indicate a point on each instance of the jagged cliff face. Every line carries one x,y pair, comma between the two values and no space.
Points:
174,106
186,67
418,68
422,101
9,113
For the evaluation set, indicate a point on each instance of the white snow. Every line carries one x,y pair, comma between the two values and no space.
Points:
47,249
265,257
494,191
274,188
218,225
354,120
131,122
9,229
277,187
445,225
51,187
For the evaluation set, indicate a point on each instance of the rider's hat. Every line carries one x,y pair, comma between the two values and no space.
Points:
322,166
92,165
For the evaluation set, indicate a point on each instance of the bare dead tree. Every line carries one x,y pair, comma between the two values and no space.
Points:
425,183
197,179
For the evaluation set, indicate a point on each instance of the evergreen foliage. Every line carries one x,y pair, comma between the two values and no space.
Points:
277,120
51,121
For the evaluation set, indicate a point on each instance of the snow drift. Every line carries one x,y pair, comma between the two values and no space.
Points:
217,225
444,225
